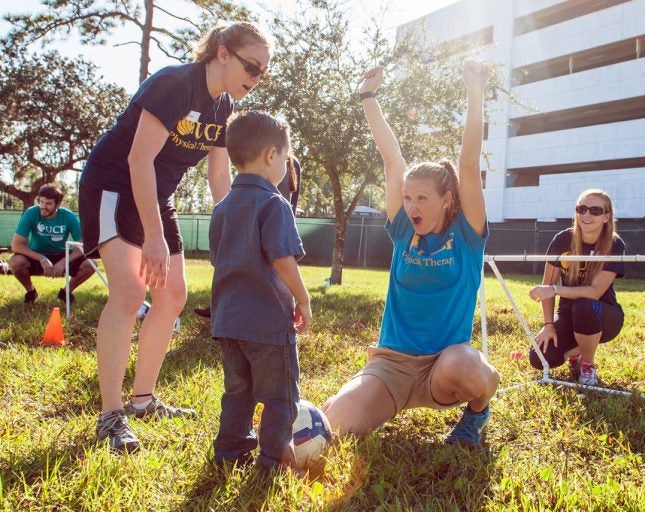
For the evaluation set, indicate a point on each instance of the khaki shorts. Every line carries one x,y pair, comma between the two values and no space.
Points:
407,377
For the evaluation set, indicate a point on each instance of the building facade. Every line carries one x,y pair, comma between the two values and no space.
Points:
578,68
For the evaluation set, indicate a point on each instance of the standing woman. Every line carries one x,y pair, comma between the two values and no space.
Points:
588,312
437,223
176,118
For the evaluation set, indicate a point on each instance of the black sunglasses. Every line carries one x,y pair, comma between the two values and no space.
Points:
593,210
252,69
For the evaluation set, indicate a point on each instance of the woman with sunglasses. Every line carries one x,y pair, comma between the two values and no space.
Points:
176,118
588,312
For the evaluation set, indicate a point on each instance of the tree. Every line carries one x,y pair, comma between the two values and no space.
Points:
315,75
193,194
96,20
52,111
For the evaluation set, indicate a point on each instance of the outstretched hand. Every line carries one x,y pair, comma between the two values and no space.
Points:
372,80
476,74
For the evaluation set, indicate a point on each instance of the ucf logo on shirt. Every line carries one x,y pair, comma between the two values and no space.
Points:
582,269
416,253
54,233
191,134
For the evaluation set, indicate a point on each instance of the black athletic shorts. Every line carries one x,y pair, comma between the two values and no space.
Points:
106,215
584,316
36,269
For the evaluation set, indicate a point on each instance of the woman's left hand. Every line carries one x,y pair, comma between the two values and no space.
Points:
372,80
542,292
155,262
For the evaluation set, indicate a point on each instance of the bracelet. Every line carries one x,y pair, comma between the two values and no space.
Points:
44,258
548,323
555,289
368,94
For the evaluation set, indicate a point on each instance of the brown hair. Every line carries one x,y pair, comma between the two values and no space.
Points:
602,246
293,175
250,133
51,192
233,37
445,179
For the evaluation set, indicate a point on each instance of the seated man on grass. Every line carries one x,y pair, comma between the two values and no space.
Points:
38,244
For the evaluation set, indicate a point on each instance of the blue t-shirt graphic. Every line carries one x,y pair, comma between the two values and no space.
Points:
433,286
178,96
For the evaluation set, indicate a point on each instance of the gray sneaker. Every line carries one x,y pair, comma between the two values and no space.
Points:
114,426
587,374
158,409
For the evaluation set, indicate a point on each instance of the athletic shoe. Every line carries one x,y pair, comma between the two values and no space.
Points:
587,374
574,367
205,312
30,297
470,427
5,268
61,296
158,409
114,426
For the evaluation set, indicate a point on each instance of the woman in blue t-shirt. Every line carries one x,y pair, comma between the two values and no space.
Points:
588,312
437,223
176,118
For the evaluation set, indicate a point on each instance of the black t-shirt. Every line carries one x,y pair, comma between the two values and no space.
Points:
178,96
285,185
561,246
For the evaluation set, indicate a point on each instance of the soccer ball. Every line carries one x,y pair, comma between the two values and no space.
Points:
311,434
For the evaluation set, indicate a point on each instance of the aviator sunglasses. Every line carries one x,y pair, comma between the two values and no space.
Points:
593,210
252,69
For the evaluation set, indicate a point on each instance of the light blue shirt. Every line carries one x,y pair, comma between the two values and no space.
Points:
433,286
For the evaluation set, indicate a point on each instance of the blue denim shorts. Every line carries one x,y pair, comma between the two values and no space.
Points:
257,373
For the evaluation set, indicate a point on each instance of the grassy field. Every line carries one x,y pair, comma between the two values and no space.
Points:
547,448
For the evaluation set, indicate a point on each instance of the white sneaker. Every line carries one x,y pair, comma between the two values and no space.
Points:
587,374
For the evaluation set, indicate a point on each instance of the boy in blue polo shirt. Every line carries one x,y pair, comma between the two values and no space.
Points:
259,300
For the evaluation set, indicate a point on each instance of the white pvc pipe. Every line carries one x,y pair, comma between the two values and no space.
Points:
632,258
482,316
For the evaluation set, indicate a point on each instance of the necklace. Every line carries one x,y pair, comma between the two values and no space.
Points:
216,105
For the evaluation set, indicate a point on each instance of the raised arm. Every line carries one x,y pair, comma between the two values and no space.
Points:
385,141
476,76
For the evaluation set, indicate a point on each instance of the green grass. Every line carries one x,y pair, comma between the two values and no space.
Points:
547,447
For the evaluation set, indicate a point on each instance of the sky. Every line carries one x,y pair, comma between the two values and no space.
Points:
119,63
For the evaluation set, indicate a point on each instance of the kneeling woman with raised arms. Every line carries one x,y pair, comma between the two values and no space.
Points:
437,223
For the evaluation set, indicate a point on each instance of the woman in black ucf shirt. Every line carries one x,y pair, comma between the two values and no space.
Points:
176,118
588,312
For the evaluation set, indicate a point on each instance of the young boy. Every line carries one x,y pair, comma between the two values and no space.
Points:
254,247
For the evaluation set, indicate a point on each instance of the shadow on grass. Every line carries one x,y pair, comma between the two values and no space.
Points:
404,469
617,415
40,464
213,488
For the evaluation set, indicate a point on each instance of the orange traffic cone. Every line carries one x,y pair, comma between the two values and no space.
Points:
54,331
